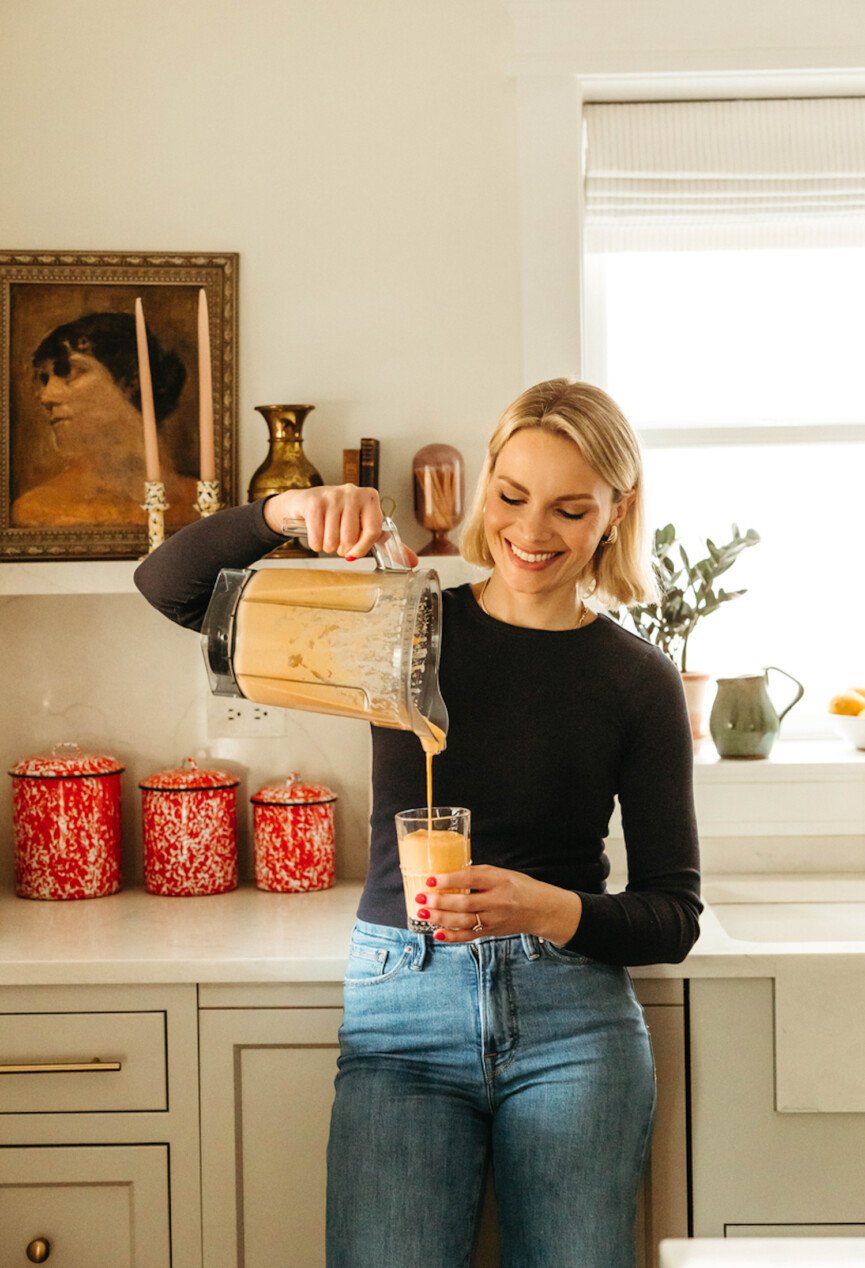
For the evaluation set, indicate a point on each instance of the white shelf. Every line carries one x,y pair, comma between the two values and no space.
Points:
61,577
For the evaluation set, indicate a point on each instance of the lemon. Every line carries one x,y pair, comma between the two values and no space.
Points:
850,702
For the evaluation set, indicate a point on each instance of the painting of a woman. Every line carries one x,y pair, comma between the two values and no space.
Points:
86,380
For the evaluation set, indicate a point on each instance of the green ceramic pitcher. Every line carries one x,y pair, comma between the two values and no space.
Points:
744,721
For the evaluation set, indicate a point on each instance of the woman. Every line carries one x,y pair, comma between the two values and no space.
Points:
512,1036
87,383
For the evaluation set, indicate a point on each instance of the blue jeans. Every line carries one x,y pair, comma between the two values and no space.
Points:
503,1051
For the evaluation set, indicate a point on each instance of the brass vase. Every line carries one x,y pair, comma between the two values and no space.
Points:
286,466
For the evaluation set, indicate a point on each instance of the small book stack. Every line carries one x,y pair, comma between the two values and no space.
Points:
369,450
360,466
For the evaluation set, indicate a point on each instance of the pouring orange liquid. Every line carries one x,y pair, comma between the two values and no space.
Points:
436,846
431,744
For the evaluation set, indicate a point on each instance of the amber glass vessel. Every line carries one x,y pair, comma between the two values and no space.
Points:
439,495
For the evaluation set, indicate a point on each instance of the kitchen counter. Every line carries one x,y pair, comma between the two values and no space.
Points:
252,936
763,1252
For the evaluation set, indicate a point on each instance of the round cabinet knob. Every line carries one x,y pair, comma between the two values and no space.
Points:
39,1250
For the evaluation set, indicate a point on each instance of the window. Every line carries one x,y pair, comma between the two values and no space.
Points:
725,312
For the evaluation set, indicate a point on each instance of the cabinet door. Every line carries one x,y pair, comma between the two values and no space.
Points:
752,1164
796,1230
266,1092
663,1203
105,1206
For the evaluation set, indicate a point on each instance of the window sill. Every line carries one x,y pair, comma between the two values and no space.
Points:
824,760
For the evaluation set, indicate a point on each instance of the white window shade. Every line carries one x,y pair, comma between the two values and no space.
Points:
690,175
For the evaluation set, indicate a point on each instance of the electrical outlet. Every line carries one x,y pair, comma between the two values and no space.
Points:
231,717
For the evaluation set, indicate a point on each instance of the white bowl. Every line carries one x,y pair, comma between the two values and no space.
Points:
850,728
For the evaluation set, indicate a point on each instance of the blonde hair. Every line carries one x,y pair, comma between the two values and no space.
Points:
619,573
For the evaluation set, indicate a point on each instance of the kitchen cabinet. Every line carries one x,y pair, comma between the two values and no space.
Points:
105,1206
663,1204
266,1089
268,1060
755,1167
99,1125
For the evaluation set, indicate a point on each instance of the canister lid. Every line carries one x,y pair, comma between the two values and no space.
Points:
187,778
293,791
65,761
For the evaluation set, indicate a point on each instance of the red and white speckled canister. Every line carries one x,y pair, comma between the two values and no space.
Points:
66,817
294,840
190,831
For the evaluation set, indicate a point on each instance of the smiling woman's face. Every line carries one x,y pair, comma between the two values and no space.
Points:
82,403
545,512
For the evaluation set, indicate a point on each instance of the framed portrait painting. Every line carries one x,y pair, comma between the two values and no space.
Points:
72,457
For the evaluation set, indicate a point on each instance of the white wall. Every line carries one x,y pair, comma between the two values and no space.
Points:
362,158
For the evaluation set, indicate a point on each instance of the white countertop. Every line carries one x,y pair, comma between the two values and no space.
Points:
252,936
763,1252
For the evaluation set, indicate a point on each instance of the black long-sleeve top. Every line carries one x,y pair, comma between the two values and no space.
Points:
547,728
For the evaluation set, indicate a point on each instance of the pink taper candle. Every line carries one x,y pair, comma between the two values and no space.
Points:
148,414
207,462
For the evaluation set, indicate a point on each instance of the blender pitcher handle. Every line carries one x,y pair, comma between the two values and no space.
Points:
799,694
388,552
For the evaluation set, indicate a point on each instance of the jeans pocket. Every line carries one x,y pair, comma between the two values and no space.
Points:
562,956
368,965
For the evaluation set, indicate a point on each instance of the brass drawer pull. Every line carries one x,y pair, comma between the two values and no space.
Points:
61,1067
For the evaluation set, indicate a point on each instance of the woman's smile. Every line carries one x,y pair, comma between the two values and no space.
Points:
532,559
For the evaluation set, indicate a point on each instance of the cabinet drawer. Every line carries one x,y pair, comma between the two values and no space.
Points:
131,1046
105,1206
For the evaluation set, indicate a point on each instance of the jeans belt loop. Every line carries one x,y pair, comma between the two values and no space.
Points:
421,950
530,946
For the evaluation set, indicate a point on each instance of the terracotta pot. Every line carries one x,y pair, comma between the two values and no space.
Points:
294,840
190,830
66,816
695,695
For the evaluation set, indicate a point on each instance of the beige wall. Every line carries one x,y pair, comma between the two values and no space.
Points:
359,156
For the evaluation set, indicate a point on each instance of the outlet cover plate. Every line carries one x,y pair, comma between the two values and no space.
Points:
231,717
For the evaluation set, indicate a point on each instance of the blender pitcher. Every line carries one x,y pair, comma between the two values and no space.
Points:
356,644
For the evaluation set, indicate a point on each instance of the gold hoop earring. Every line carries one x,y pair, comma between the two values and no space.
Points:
612,536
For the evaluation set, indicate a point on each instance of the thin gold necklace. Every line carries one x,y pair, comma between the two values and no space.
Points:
484,608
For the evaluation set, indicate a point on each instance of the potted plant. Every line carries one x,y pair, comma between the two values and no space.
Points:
688,595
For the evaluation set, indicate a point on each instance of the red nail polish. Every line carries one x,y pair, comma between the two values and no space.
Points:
422,913
439,935
431,880
420,898
351,558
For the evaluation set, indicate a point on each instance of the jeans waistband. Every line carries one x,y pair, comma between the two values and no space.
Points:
423,944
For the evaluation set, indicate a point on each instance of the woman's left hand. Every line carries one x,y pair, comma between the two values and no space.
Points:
505,902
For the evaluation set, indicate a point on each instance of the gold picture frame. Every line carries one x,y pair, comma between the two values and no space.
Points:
71,445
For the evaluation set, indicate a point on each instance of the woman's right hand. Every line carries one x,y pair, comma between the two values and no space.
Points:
341,519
